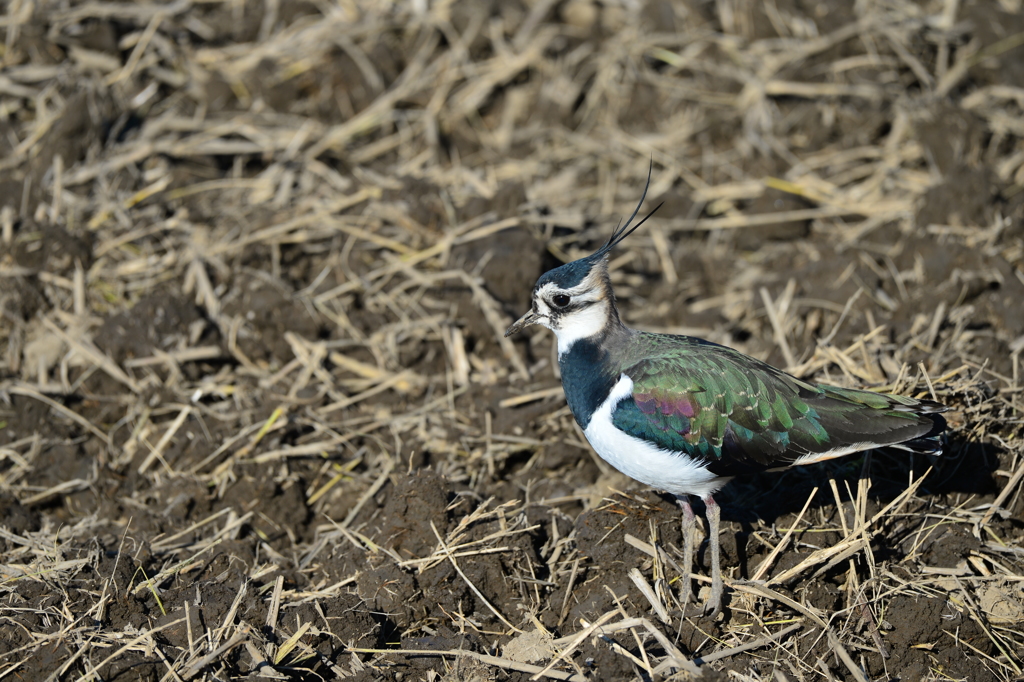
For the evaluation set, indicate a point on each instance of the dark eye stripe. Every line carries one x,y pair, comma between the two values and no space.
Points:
573,307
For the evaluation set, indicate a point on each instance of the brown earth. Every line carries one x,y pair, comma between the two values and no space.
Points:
257,417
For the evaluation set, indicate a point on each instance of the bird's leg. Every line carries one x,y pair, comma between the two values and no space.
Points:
689,527
714,604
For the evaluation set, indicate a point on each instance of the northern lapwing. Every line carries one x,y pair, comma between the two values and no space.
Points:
686,415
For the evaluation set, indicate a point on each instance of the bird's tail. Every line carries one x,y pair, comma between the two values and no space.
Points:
930,443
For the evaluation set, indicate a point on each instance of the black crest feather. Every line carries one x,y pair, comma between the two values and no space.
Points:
621,233
571,274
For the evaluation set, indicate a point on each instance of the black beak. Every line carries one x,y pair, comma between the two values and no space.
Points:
526,320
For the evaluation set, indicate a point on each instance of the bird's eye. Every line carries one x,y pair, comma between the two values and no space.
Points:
560,300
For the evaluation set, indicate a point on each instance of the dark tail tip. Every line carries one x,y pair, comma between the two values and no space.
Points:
939,424
929,442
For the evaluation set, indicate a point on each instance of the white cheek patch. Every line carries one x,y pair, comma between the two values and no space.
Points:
581,324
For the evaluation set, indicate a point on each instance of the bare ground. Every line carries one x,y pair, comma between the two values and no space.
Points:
257,418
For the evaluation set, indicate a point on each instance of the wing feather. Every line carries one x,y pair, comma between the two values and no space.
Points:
738,414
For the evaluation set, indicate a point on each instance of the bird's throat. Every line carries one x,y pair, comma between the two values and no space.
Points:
588,375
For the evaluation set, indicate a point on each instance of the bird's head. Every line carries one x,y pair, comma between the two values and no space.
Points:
576,300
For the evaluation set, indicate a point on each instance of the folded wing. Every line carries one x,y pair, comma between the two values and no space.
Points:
739,415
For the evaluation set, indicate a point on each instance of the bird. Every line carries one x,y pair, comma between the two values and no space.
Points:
685,415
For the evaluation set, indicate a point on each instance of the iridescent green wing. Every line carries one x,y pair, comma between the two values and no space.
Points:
739,414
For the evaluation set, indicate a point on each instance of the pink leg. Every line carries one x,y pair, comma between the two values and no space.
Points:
689,527
714,512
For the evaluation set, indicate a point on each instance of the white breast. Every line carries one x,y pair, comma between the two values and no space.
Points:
668,470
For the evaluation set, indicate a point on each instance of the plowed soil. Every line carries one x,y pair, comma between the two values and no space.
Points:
257,415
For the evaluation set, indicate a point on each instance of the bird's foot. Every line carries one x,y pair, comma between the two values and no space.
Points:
713,606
